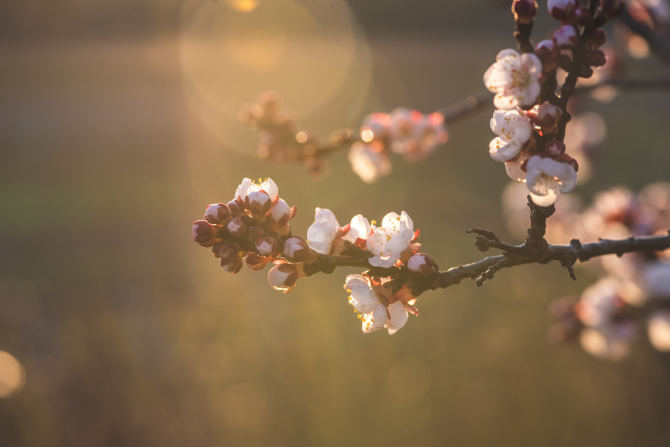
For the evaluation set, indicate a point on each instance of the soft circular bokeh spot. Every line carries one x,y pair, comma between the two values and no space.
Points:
311,53
12,375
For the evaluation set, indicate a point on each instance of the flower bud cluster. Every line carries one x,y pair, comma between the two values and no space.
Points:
407,132
252,227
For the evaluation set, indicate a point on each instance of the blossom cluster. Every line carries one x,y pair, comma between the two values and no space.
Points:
527,122
604,317
407,132
254,229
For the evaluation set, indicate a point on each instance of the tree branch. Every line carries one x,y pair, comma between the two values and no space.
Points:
659,46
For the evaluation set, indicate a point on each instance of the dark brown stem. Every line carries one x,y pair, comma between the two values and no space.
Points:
522,36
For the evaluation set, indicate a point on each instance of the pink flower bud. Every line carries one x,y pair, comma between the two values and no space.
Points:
562,10
524,10
547,51
280,213
421,264
297,250
284,276
235,209
566,36
236,227
233,266
548,116
217,213
596,58
259,203
583,16
226,250
612,8
256,232
266,246
554,148
204,233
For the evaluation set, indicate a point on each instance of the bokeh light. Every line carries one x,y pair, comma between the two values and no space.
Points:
12,376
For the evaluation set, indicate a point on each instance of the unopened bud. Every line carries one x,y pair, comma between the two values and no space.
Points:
259,203
421,264
280,213
235,209
204,233
612,8
566,36
562,10
596,58
236,227
256,232
266,246
547,51
284,276
554,148
227,251
297,250
597,39
548,116
233,266
524,10
583,17
217,213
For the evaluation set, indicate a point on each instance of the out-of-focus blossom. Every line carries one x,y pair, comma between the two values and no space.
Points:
389,241
369,161
547,177
514,78
513,130
415,135
658,328
607,335
583,138
656,280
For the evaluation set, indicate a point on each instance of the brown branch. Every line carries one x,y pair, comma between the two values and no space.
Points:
484,269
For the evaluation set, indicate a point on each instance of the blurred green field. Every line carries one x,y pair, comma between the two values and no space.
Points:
130,333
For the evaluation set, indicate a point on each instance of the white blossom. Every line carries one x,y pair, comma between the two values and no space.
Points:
390,240
248,186
321,233
514,78
547,177
359,229
513,130
369,161
373,314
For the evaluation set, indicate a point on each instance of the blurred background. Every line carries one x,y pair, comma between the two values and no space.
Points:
118,125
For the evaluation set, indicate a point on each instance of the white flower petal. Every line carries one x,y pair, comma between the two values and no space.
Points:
398,318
